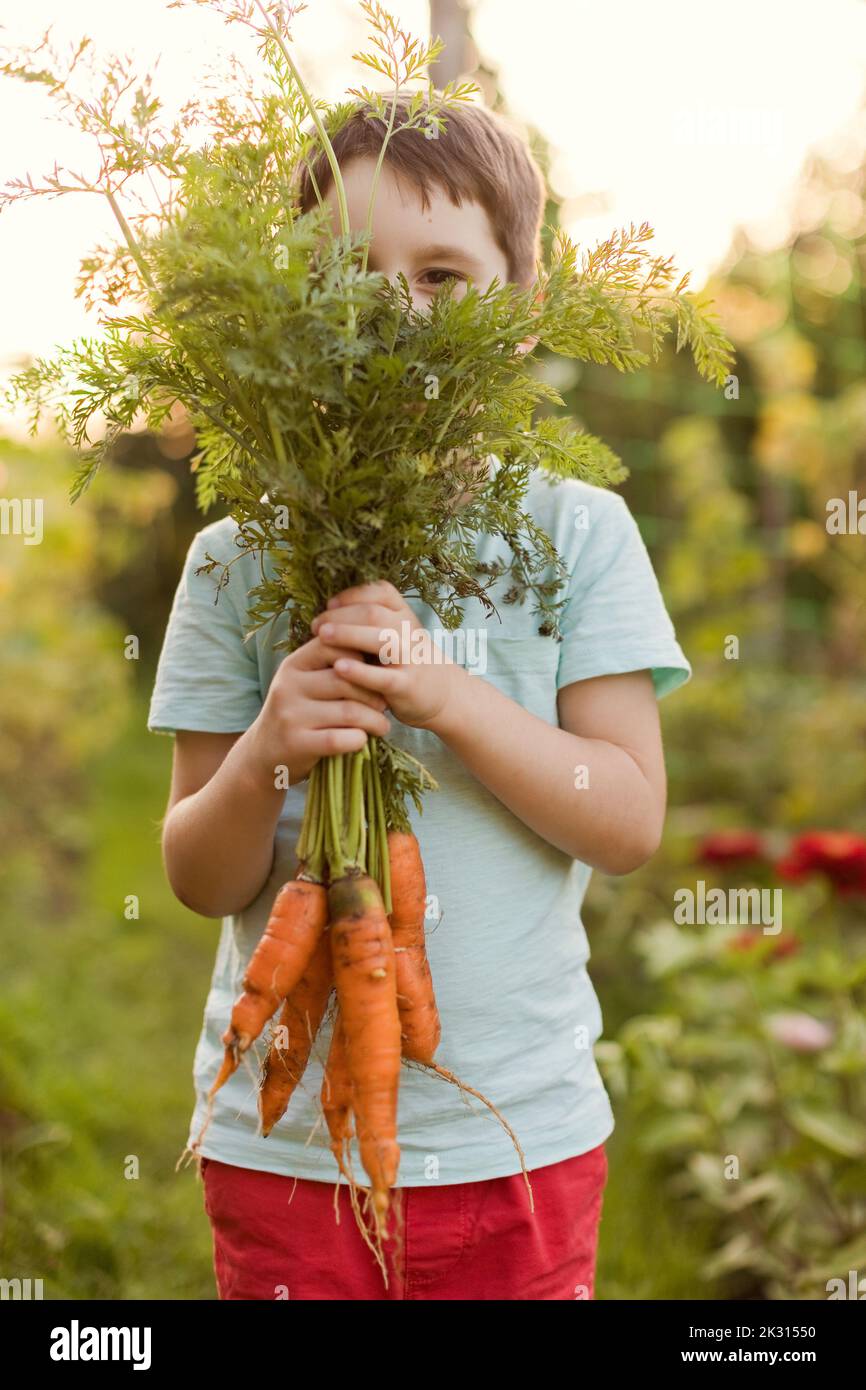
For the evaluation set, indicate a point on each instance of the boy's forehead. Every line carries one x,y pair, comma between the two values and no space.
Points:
401,215
392,190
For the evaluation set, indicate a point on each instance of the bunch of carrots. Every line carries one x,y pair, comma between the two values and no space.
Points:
350,923
339,936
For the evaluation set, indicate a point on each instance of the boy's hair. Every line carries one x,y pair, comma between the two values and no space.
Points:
478,156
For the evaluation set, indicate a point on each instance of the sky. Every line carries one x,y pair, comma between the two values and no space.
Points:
692,116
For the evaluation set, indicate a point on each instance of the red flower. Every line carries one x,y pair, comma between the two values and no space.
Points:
839,855
730,847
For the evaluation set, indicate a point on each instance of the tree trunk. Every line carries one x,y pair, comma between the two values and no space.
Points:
449,21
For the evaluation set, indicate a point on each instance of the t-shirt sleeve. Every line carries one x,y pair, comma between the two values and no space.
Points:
207,677
614,619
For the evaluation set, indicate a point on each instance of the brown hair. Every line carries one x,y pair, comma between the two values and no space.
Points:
477,156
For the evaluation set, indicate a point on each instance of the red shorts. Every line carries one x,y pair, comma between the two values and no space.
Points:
277,1237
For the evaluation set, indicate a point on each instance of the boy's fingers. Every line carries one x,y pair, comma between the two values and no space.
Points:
364,614
387,679
328,685
363,639
325,743
337,714
317,655
379,591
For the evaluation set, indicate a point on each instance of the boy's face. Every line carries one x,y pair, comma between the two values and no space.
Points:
427,246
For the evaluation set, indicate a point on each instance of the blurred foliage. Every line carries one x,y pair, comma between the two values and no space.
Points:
148,556
95,1016
732,495
64,684
749,1076
99,1017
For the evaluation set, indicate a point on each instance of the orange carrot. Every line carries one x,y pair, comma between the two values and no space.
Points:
419,1016
366,979
298,918
337,1093
290,1050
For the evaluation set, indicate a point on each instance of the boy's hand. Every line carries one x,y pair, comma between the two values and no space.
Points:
312,710
414,675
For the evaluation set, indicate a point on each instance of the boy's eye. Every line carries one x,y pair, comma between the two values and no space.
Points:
443,275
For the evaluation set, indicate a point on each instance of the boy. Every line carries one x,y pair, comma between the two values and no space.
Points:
549,763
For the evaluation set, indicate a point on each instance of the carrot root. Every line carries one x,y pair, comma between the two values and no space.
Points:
479,1095
336,1100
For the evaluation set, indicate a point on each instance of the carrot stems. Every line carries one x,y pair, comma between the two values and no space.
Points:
318,855
308,850
338,816
381,825
365,820
334,852
302,847
339,782
372,846
315,856
353,828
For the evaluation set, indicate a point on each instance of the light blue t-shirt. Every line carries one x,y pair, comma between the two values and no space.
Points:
508,951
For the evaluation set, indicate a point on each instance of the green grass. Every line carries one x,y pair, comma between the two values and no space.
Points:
646,1249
